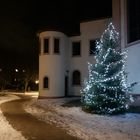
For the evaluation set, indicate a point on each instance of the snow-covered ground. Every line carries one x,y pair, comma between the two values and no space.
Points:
83,125
7,132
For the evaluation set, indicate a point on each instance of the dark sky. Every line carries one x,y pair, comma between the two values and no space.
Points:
21,19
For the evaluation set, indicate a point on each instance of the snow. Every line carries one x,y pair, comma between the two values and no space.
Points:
84,125
7,132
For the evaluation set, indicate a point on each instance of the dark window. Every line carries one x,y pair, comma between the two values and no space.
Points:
56,45
46,82
46,45
75,48
92,47
76,78
133,20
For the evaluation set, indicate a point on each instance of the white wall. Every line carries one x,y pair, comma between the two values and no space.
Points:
133,65
89,30
55,66
119,9
52,65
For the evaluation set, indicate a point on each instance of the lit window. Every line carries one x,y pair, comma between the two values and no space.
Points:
46,45
76,78
56,45
76,50
46,82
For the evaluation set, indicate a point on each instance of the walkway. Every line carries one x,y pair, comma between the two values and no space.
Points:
30,127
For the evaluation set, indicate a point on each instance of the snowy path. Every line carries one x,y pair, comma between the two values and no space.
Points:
30,127
6,130
86,126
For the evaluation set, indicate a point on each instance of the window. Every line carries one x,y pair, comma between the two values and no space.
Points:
76,48
76,78
46,82
56,45
46,45
92,47
133,11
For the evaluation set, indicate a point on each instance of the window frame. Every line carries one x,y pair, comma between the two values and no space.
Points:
56,38
92,39
77,55
45,87
48,45
130,39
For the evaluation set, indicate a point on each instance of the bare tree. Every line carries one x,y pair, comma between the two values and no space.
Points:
28,76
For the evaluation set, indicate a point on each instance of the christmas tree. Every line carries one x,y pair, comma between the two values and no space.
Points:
106,90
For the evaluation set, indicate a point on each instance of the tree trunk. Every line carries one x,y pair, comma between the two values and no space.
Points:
26,85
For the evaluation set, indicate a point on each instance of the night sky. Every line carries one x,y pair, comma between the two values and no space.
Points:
21,19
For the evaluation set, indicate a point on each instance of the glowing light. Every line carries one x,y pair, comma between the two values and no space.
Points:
37,81
16,70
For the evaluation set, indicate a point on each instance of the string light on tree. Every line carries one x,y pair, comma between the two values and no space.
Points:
106,89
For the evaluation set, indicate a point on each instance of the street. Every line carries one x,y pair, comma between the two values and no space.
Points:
30,127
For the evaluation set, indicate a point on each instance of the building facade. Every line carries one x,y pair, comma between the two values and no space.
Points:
63,60
126,17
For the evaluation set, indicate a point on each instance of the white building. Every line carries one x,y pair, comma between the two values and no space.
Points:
63,60
126,17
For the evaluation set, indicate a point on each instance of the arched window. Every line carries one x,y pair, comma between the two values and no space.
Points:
76,78
46,82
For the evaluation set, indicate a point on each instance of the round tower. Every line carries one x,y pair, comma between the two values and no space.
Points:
52,64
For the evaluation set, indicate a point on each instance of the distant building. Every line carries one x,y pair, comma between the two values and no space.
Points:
63,60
